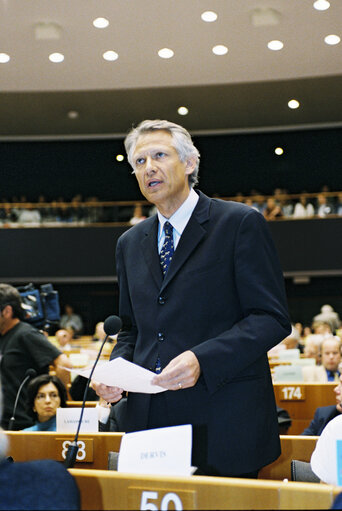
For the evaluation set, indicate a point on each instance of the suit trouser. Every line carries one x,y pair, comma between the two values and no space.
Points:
159,417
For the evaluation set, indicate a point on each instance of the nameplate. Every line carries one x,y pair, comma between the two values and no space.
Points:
292,393
85,451
161,497
68,419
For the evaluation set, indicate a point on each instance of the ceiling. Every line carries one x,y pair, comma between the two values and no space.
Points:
246,89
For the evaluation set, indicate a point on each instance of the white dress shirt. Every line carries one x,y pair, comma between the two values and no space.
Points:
178,220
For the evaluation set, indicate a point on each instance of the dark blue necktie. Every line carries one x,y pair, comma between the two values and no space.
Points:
165,256
167,250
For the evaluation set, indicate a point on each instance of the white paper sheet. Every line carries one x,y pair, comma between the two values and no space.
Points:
164,451
126,375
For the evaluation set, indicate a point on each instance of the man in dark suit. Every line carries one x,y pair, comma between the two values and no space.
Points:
204,322
325,414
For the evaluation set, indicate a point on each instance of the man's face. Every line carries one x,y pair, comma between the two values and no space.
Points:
331,356
162,177
338,392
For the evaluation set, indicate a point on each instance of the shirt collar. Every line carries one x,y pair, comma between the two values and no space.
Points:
180,218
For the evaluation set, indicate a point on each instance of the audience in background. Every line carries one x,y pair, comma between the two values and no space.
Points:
303,208
325,414
328,315
138,215
312,347
324,208
71,320
63,338
329,368
272,209
45,394
77,211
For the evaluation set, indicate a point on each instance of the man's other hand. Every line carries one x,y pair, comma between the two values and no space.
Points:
182,372
109,394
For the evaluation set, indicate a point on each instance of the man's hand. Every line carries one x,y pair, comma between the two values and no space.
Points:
182,372
109,394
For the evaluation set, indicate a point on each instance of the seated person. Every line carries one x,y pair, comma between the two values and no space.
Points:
112,417
325,414
64,337
42,484
99,333
45,394
71,319
324,458
312,347
331,358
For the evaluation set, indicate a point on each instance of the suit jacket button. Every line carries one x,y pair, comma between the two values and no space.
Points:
161,300
161,337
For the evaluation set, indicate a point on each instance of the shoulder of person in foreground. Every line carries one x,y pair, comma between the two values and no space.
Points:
41,484
324,458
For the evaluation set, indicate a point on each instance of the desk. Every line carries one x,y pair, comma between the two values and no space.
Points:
92,453
112,490
301,400
292,448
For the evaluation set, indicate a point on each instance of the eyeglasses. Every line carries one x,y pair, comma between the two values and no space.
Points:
51,395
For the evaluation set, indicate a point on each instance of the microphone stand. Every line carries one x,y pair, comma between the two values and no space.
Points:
12,419
71,454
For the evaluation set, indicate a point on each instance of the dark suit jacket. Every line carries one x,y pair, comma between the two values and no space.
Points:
223,298
322,416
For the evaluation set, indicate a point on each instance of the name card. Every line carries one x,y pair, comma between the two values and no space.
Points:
68,419
164,451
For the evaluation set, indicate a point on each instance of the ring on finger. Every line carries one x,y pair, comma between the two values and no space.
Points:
180,386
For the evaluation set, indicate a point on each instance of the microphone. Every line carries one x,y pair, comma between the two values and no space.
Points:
111,327
29,373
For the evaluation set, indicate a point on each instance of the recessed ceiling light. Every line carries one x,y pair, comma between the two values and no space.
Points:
100,23
165,53
332,39
182,110
321,5
275,45
73,114
279,151
293,104
220,49
56,57
209,16
110,55
4,58
120,157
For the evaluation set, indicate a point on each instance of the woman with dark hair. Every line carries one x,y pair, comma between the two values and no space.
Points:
45,394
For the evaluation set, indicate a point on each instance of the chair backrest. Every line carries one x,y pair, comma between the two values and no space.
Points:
292,373
302,471
113,458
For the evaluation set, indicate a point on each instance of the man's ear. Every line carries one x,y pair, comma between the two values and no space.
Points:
190,165
7,312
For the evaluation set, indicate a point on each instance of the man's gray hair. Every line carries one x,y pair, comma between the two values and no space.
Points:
182,142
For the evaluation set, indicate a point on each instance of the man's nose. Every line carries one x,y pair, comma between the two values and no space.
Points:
149,165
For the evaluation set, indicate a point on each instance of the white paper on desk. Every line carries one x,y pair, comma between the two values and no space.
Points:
164,451
126,375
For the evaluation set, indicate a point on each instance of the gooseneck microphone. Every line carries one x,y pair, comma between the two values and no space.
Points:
29,373
111,327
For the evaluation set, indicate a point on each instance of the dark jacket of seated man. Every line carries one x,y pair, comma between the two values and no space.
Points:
322,416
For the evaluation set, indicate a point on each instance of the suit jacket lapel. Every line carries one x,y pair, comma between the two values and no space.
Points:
149,247
191,237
